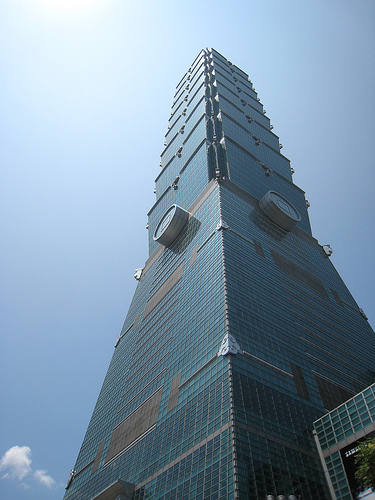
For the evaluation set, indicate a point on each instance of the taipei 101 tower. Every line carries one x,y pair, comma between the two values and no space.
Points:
240,333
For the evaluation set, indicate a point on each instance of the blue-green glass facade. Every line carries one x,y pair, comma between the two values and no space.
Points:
178,416
338,434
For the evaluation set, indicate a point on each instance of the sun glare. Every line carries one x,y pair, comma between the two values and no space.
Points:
65,6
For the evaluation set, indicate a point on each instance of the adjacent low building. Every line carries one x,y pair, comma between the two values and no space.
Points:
337,437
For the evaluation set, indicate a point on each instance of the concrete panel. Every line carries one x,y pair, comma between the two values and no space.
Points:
173,395
166,287
299,273
97,458
134,425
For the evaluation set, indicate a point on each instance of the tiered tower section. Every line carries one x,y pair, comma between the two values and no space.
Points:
240,334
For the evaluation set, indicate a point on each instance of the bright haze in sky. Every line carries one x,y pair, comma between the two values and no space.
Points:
85,95
66,6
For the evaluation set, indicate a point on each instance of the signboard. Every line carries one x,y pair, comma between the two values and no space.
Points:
348,459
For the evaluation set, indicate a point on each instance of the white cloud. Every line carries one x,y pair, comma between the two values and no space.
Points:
17,462
44,478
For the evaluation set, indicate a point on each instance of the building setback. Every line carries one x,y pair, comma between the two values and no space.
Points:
241,332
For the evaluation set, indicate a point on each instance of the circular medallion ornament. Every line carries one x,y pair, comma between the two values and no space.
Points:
279,210
170,225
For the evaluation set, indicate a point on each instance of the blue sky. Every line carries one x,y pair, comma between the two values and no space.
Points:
85,95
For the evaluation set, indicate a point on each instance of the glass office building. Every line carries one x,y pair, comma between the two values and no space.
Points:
240,334
337,435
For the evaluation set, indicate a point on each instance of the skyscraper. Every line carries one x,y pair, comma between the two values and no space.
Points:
240,334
